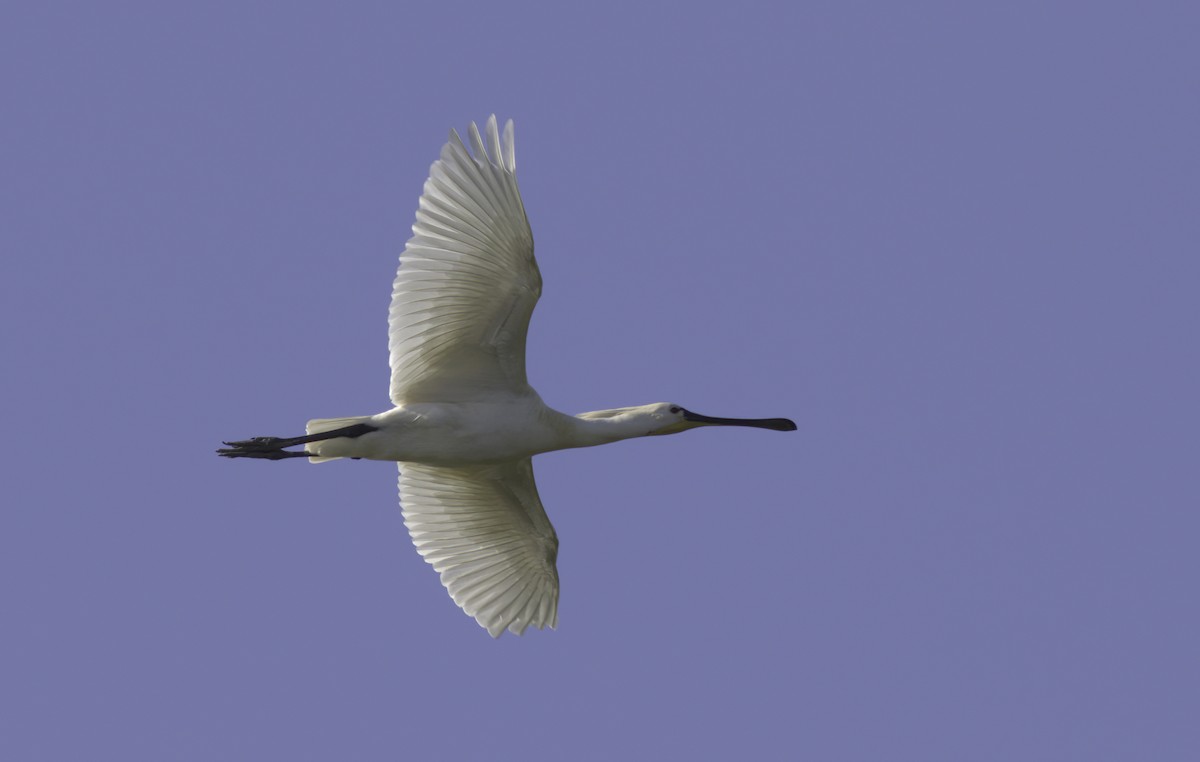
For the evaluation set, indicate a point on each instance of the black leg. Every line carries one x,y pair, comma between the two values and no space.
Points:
272,448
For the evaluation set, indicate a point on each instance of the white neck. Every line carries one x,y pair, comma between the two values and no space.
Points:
603,426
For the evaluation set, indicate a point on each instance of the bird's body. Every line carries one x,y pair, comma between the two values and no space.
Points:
465,421
474,433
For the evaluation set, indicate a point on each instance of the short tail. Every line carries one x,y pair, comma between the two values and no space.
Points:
321,425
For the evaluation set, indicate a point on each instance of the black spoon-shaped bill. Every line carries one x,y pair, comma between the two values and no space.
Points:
775,424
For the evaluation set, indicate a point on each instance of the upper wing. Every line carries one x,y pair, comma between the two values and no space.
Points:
467,282
484,530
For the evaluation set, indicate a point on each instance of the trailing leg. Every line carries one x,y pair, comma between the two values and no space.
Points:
272,448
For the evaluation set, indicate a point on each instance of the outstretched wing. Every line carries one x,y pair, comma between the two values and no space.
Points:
484,530
467,282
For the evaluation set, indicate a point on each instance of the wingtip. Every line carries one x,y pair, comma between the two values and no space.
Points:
510,149
499,147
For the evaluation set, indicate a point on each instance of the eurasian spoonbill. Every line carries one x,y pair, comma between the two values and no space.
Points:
466,423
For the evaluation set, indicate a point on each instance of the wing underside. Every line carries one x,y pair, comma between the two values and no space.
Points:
484,530
468,281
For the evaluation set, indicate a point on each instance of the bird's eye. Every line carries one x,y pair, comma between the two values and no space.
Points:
675,408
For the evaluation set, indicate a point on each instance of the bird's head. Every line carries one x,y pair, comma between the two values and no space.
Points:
669,418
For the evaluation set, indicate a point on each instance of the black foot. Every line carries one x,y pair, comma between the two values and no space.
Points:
266,448
262,454
272,448
269,455
260,444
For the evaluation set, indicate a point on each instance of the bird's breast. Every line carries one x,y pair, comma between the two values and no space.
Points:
457,434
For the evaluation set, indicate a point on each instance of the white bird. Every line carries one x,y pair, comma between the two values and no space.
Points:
466,422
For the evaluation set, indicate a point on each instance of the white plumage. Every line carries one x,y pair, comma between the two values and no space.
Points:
484,529
467,281
465,422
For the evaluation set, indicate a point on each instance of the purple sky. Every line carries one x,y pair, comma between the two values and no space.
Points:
958,247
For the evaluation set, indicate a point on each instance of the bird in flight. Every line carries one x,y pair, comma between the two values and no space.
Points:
465,422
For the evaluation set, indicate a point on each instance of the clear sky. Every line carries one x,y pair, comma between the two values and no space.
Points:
956,242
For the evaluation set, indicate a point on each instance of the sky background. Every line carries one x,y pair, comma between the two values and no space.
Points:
956,242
